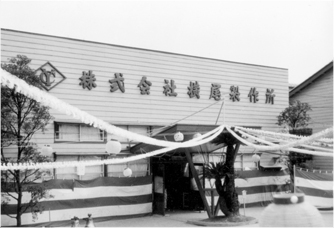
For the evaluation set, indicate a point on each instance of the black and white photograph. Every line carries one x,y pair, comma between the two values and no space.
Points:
166,113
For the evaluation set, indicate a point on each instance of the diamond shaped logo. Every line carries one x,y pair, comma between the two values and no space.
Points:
49,76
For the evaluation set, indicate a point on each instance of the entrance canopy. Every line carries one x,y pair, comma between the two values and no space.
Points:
188,131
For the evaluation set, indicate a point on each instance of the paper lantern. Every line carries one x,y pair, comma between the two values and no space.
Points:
127,172
178,137
197,135
256,158
47,151
113,147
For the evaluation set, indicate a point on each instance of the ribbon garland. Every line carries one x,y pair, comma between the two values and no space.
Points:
48,165
312,147
303,140
283,136
288,146
46,99
284,141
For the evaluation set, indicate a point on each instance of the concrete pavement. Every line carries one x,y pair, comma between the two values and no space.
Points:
180,218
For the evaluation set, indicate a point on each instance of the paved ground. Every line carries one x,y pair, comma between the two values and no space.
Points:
180,218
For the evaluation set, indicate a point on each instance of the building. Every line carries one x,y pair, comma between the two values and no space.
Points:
291,86
317,91
143,91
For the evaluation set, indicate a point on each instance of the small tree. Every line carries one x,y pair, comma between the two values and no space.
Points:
296,118
21,118
228,202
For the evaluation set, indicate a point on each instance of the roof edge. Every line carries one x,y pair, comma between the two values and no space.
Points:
309,80
142,49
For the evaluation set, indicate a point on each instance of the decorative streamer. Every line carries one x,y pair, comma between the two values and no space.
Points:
312,147
273,144
304,140
46,99
53,102
192,142
288,146
281,135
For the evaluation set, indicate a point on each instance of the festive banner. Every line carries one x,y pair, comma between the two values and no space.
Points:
317,187
101,197
260,186
287,145
51,101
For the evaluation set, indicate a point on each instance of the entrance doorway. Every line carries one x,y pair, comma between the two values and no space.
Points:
177,188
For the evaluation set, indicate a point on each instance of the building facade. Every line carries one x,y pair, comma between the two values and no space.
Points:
141,91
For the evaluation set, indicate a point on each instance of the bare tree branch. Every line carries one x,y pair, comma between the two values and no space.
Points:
31,174
10,216
9,194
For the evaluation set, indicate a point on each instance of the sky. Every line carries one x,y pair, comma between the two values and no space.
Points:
297,35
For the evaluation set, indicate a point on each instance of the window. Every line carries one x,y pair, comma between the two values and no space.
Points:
139,168
90,172
78,133
139,129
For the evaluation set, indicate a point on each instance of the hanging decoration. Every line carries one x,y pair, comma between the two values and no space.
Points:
207,137
284,136
321,144
256,158
127,172
197,135
46,99
178,137
313,146
113,147
318,145
288,146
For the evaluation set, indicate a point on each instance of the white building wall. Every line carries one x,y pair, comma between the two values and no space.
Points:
72,57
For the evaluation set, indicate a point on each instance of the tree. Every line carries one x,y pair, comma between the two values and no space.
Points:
21,118
296,118
228,197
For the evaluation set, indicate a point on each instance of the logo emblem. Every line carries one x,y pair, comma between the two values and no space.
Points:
49,76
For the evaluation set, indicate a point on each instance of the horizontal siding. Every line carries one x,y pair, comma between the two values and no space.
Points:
72,57
122,64
70,45
320,97
133,74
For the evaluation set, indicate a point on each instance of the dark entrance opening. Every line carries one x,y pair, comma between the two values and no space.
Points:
178,189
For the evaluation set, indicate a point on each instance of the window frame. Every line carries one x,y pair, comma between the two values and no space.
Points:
57,140
80,158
